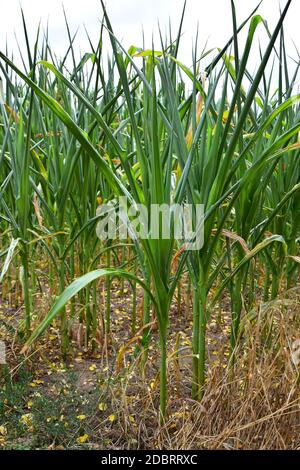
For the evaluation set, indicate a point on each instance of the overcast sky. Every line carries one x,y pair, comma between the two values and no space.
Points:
128,16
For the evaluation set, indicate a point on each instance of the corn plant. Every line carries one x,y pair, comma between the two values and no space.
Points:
73,139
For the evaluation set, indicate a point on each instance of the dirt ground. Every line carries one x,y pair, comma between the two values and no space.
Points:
105,400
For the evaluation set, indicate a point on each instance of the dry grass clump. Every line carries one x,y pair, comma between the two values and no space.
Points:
253,405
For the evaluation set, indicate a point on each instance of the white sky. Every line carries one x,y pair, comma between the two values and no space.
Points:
128,16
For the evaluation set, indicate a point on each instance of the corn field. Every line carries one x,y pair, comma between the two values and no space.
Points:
138,123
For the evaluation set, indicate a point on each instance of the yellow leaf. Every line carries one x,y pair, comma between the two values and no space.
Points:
82,439
152,384
102,406
26,419
81,417
3,430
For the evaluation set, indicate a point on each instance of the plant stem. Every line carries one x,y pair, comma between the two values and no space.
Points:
195,342
202,348
26,289
107,285
163,376
64,323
